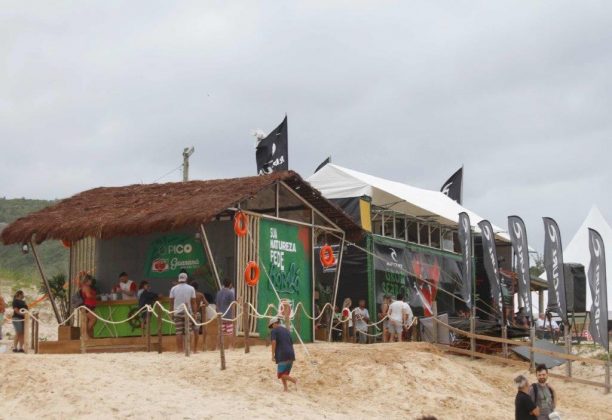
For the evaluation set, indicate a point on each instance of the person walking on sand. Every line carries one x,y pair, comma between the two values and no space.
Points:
18,321
524,407
397,318
182,298
282,352
542,394
224,299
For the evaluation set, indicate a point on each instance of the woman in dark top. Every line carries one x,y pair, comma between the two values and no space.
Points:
18,321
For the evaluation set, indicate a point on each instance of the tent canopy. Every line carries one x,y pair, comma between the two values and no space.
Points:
337,182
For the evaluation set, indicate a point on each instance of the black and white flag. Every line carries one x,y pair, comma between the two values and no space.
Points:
518,236
322,164
272,152
491,266
598,325
465,240
553,262
453,187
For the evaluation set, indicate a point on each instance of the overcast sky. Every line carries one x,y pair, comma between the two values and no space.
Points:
520,93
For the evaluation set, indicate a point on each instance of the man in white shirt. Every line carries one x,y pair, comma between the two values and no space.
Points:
362,319
182,297
398,316
544,326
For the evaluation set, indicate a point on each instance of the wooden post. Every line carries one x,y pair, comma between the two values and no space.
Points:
298,321
83,325
434,307
354,317
221,349
159,313
27,332
505,337
472,332
607,391
568,349
37,335
531,345
187,334
345,330
203,309
148,330
245,326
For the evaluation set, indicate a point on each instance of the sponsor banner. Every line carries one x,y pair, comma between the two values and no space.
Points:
271,152
465,240
285,256
518,236
492,267
598,325
170,253
418,275
454,185
553,262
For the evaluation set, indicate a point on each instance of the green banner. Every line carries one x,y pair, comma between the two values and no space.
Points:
285,253
171,253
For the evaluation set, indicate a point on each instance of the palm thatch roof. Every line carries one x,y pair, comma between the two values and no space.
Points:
108,212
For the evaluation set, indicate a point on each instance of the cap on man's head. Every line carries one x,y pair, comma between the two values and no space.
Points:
272,321
182,277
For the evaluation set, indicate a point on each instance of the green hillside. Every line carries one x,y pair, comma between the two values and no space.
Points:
19,267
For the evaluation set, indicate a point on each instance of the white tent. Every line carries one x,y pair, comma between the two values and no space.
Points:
337,182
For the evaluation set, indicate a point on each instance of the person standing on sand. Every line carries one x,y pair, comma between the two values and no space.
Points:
201,304
362,318
225,298
384,309
18,321
182,298
542,394
397,318
282,351
524,407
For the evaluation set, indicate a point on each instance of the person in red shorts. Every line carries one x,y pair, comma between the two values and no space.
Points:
282,352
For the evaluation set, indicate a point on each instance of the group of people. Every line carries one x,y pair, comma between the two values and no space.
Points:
397,314
17,317
535,401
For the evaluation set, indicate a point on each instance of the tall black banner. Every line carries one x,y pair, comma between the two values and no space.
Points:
272,152
465,240
518,236
553,262
453,187
491,266
598,325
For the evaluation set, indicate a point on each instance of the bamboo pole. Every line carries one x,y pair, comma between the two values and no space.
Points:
37,336
434,307
608,375
203,310
531,346
354,316
159,314
221,349
148,330
187,334
58,316
505,337
83,326
245,326
27,332
345,330
473,331
568,349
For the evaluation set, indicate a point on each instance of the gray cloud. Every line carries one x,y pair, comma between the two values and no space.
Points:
109,94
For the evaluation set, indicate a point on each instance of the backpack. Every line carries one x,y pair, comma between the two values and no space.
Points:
535,392
77,299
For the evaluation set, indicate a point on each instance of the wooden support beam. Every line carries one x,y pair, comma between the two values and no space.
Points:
58,316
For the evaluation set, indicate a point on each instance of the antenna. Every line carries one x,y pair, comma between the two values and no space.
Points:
186,153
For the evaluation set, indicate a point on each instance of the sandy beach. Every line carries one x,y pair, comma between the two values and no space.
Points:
338,381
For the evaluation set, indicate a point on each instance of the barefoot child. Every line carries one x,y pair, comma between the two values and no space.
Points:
282,351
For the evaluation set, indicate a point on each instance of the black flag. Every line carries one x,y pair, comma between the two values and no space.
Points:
453,187
491,266
465,240
325,162
553,262
518,236
272,151
598,325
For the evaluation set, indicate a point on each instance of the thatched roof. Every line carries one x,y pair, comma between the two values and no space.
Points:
108,212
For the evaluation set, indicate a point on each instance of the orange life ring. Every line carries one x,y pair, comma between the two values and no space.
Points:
241,224
66,243
251,274
327,256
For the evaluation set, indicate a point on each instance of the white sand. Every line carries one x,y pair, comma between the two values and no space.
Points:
375,381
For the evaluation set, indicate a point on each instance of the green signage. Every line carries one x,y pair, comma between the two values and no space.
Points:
171,253
285,254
